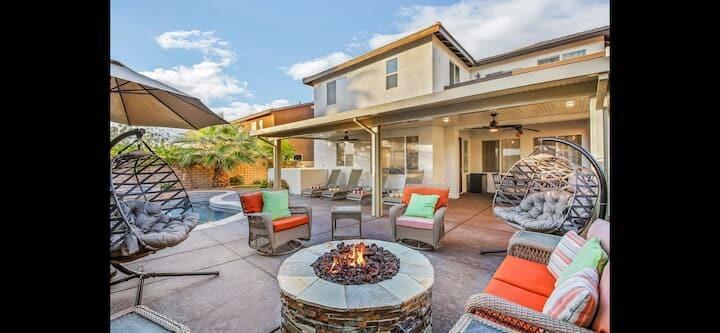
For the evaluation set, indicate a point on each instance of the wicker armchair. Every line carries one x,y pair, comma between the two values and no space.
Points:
415,232
538,247
268,236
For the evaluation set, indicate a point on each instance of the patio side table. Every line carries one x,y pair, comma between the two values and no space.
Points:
345,212
140,318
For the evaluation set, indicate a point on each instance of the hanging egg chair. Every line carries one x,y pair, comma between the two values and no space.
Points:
545,192
149,210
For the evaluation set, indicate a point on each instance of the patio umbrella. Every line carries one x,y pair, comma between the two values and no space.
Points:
138,100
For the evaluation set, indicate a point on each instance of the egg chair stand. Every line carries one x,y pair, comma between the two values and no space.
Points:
549,194
149,211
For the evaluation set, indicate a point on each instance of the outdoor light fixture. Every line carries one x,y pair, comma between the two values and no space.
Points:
493,130
446,119
569,104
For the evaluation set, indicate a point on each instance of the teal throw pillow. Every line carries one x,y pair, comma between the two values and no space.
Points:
276,203
591,255
422,205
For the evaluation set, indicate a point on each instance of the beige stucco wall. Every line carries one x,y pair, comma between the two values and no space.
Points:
531,59
441,66
365,86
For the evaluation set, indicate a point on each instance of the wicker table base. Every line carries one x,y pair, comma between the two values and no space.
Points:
345,212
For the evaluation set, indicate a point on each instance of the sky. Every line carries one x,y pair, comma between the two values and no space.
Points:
241,57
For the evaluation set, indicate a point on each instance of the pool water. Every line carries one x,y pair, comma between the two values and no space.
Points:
208,214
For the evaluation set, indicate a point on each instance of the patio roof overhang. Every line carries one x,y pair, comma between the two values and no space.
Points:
579,79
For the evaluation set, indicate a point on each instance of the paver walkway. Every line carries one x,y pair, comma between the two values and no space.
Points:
245,297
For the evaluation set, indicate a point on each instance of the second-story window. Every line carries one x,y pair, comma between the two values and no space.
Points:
260,124
454,73
573,54
331,97
253,126
548,60
391,73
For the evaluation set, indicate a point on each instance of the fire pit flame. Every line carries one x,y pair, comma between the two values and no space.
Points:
356,264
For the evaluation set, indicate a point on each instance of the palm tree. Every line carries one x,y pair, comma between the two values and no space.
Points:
287,149
220,148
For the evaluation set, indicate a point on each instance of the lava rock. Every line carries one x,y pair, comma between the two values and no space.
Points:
339,265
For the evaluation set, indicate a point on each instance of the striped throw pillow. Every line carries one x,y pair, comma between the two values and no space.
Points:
564,253
576,299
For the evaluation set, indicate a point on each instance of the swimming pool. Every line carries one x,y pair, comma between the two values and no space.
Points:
216,207
208,214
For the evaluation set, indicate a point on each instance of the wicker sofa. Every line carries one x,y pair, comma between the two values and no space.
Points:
515,295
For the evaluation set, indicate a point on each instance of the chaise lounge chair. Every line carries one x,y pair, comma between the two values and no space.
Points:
366,194
412,178
332,181
342,192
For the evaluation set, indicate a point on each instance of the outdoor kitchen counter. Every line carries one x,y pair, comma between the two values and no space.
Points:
300,178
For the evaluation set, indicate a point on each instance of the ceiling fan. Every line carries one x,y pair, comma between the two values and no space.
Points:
494,127
346,138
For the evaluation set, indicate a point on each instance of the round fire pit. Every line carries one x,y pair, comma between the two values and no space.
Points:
376,302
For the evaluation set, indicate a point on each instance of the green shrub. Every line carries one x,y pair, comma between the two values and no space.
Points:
283,183
237,180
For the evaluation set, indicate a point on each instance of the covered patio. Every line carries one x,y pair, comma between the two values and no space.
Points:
244,298
567,99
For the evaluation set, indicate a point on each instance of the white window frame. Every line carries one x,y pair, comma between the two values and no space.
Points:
499,154
555,145
260,124
253,125
454,73
387,75
573,54
337,160
548,58
327,92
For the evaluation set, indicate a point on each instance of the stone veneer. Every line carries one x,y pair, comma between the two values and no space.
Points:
311,304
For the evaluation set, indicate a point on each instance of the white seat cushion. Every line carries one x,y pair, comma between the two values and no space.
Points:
415,222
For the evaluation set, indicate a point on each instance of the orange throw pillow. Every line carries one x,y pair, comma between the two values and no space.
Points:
443,193
252,202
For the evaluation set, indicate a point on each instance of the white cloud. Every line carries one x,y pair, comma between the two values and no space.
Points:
486,28
240,109
206,80
204,41
306,68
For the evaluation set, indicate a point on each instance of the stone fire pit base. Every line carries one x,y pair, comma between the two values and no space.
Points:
311,304
413,316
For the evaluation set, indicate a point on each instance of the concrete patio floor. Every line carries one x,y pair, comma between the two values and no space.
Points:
245,297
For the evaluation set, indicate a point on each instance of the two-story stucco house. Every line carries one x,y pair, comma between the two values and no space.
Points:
422,105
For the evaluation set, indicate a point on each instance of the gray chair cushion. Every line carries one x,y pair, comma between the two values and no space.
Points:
153,227
540,211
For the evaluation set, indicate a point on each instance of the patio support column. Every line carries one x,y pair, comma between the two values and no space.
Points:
375,168
598,121
277,163
376,171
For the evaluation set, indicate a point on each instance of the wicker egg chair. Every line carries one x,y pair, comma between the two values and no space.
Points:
149,210
547,193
